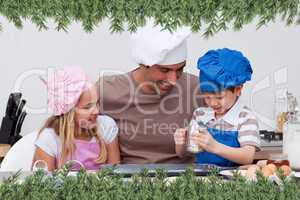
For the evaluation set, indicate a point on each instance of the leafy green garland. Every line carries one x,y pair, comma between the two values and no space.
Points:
216,15
106,185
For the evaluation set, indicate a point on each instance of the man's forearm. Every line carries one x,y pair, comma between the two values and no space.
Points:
180,149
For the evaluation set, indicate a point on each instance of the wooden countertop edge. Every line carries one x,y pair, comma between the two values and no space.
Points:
4,148
265,153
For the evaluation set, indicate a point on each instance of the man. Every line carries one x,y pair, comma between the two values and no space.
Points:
152,101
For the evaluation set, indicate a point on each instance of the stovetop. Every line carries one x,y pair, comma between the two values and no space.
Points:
270,138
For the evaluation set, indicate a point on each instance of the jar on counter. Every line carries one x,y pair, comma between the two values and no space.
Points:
291,143
194,128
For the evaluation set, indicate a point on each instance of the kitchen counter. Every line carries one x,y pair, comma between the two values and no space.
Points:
265,152
4,148
128,170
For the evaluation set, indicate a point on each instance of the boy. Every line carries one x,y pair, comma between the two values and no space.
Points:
232,134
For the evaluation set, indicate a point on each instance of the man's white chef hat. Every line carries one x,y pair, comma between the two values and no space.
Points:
155,45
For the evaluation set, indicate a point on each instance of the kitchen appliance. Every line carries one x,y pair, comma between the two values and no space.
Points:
270,138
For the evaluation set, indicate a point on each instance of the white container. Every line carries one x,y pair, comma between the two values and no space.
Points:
291,143
194,128
284,138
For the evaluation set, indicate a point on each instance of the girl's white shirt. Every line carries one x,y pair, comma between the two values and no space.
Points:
49,142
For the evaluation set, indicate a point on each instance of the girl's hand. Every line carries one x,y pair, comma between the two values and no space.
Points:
180,136
205,141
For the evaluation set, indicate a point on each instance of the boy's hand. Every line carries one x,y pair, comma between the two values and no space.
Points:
205,141
180,136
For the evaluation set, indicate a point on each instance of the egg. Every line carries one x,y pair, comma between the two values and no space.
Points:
266,171
272,167
251,171
286,170
261,163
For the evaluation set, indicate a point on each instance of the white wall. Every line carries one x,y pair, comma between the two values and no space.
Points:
269,49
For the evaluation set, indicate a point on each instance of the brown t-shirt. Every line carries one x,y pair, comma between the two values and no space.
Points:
147,122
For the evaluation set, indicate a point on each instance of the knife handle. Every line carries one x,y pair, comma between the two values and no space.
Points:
20,123
16,102
9,105
20,108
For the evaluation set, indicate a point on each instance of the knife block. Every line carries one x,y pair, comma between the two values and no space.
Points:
6,129
13,139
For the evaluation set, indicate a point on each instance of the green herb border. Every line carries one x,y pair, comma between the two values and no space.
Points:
107,185
209,16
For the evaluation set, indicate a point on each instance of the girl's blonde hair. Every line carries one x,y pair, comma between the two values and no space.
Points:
64,127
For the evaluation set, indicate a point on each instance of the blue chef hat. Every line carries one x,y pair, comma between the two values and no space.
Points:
222,69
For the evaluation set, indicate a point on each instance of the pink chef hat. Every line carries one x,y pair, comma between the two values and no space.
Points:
65,87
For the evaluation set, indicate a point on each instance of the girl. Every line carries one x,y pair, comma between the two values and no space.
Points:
75,131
